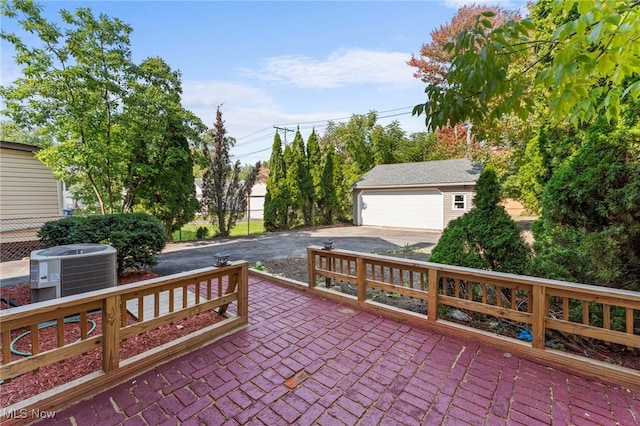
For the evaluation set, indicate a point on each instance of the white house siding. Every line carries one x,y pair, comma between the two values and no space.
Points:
402,208
29,188
449,212
256,200
29,197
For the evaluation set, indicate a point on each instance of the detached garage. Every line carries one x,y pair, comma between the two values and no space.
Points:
424,195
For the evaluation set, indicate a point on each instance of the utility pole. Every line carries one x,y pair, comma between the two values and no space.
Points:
285,130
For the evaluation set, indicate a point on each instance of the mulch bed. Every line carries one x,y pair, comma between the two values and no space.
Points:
34,383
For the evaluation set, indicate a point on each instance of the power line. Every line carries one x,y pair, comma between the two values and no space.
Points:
349,117
254,133
303,127
307,125
259,139
323,121
285,130
250,153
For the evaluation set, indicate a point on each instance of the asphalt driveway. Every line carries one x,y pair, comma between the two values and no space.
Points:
181,257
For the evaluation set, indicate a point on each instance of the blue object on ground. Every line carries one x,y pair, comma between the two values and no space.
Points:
525,335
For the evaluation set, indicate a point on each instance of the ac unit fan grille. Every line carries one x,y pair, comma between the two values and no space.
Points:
87,273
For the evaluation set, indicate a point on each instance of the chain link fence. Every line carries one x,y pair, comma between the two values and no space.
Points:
18,236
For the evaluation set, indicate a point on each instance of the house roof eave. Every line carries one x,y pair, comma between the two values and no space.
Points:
415,186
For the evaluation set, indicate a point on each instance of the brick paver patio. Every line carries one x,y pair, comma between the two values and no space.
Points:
306,360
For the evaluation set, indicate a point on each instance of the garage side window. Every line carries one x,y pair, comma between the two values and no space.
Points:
459,201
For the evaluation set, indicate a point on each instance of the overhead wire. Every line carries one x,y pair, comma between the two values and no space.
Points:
306,125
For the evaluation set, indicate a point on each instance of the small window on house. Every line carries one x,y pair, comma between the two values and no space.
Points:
459,202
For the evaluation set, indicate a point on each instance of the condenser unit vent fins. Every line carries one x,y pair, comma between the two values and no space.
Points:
88,273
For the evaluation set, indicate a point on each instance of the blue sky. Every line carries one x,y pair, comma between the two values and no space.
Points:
284,63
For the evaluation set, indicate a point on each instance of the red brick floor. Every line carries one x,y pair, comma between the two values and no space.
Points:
305,360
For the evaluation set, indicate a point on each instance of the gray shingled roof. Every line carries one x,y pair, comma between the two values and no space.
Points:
427,173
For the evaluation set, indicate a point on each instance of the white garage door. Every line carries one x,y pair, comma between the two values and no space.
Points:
404,209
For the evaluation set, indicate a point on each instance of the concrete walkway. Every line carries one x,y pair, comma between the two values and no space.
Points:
305,360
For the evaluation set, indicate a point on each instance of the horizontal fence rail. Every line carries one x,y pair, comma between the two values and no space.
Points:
529,314
126,311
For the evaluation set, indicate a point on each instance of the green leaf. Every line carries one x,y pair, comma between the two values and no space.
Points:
587,18
528,24
594,36
633,90
612,19
584,6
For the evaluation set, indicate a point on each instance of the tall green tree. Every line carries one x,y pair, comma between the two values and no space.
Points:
294,193
435,58
276,200
343,172
314,161
415,148
531,177
155,118
589,229
103,112
353,143
385,142
302,179
224,194
171,194
587,66
435,61
358,143
10,132
328,204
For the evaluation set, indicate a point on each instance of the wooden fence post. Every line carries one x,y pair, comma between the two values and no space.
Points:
432,297
311,267
361,276
539,314
243,292
111,334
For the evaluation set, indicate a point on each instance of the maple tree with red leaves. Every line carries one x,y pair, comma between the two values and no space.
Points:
433,62
451,142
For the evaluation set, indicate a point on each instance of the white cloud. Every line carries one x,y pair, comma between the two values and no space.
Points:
244,107
214,93
352,66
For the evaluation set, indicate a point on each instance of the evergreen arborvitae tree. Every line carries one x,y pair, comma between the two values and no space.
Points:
223,192
485,237
303,179
293,187
342,186
314,161
588,231
327,197
276,200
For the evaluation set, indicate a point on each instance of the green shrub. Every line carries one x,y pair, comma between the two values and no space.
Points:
202,232
589,230
485,237
138,237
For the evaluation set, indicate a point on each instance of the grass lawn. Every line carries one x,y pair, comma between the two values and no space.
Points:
188,232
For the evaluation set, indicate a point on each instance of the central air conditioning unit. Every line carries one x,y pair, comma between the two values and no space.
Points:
72,269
